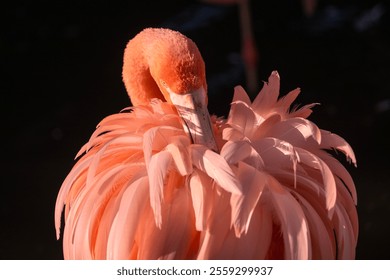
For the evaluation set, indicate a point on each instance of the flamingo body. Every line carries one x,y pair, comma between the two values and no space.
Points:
263,187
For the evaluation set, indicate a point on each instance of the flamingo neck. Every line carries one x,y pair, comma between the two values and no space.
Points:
139,82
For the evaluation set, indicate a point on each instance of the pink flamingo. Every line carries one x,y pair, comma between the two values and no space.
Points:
163,180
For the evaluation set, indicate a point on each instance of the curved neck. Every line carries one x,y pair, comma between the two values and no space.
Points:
140,85
161,63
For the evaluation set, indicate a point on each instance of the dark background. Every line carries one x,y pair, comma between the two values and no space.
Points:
61,74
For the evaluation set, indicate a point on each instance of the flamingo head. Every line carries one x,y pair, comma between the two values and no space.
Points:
165,64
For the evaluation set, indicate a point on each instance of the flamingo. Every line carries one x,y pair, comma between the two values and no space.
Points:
165,180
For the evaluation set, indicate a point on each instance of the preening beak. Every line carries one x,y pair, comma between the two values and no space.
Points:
192,108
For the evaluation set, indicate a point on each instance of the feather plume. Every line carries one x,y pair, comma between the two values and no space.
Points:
141,190
216,167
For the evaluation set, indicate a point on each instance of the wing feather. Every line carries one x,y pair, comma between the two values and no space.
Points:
216,167
294,225
158,168
122,232
243,205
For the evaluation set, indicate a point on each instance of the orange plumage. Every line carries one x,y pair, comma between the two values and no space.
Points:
163,180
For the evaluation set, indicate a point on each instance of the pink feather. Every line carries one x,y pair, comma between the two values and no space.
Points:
268,189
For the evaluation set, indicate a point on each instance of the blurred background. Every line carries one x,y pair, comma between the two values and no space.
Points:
61,74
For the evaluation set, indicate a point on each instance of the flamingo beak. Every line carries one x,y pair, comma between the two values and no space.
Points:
192,108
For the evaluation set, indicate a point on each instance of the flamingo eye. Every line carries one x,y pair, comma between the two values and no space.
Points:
164,84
